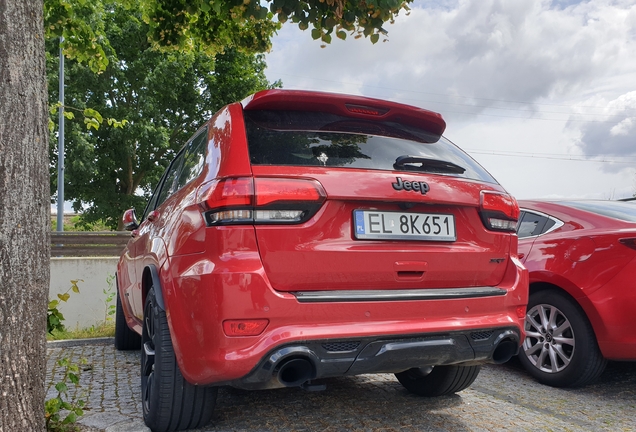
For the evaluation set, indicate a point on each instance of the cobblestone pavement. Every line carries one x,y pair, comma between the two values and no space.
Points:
502,398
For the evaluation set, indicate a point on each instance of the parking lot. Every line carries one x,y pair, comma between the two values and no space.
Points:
502,398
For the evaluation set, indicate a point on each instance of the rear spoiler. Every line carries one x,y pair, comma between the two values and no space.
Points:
356,107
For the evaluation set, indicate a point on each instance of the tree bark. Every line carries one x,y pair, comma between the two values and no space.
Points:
24,216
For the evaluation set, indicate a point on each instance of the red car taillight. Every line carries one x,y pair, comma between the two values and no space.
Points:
261,200
499,211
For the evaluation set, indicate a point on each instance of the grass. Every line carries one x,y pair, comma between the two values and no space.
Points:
105,329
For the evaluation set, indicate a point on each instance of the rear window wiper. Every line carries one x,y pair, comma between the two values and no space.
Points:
424,164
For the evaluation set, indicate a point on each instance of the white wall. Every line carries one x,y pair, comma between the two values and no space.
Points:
89,307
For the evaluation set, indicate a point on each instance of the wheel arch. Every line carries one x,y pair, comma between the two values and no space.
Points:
151,279
582,302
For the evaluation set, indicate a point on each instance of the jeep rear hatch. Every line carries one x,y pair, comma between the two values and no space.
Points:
352,193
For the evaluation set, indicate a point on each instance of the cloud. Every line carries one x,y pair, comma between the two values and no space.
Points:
614,131
471,53
509,67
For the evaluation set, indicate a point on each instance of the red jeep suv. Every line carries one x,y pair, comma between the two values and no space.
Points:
302,235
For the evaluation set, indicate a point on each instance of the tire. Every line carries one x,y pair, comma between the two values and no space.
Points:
169,402
125,338
560,347
441,380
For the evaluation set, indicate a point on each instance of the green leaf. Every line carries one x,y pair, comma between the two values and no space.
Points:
89,112
374,38
326,38
316,33
52,406
341,34
69,115
70,418
64,297
91,123
61,387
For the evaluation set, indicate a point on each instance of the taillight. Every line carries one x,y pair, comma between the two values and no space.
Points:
230,200
499,211
262,200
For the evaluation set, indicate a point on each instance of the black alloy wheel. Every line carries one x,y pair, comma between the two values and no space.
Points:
169,402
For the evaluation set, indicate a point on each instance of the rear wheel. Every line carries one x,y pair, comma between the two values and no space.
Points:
169,402
560,348
438,381
125,338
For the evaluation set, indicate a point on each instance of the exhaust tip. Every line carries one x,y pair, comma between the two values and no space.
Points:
295,372
504,351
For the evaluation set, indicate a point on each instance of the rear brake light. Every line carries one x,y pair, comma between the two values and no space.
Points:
244,327
262,200
361,109
499,211
232,192
280,190
629,242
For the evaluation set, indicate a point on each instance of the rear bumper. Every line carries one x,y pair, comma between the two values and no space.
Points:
392,334
336,357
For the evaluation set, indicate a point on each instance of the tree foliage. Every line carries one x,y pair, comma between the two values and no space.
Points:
215,25
163,96
153,60
250,24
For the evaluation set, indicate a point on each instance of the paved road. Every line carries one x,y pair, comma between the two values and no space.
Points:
502,398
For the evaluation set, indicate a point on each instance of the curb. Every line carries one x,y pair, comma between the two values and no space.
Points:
80,342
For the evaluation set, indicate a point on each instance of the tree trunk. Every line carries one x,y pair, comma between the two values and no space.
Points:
24,215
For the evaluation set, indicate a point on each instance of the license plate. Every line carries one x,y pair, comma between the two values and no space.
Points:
404,226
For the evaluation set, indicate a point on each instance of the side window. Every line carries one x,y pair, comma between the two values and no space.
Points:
193,160
185,167
531,224
153,200
170,182
152,203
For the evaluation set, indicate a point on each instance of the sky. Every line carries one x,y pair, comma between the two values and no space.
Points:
541,93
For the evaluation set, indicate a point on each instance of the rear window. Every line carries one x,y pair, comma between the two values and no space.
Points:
321,139
614,209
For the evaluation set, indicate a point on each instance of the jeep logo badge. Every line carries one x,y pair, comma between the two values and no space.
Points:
406,185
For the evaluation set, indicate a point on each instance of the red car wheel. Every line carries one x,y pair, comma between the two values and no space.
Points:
560,348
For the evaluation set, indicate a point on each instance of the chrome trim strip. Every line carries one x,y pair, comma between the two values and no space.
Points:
396,295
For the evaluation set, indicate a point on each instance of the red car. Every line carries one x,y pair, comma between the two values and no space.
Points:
302,235
581,256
